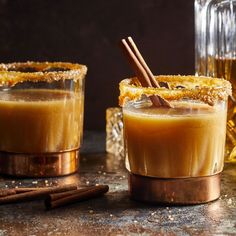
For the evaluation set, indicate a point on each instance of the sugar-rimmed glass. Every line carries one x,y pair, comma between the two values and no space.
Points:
41,120
174,151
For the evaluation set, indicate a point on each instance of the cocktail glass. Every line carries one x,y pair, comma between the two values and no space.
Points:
175,155
41,118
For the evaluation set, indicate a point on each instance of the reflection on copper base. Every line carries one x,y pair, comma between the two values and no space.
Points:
39,165
174,191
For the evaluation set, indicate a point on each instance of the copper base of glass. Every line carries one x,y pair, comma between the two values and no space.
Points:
39,165
174,191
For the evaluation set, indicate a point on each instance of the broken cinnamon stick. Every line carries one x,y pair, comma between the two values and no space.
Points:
34,195
62,199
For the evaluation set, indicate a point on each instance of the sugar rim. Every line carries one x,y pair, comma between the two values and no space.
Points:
10,78
206,89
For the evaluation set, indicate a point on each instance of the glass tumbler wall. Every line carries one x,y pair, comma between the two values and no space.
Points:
41,118
215,50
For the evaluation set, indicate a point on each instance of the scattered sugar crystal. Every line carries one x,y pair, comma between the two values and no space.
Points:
87,182
91,211
230,201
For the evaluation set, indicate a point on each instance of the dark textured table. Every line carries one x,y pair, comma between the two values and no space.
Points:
115,213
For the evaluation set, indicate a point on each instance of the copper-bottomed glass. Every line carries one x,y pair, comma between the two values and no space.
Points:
41,118
184,143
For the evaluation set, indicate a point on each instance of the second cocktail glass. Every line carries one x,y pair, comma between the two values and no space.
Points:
41,118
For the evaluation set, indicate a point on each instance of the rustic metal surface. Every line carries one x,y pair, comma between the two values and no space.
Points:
116,214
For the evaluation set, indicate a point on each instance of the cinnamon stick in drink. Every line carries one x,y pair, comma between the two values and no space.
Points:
141,69
62,199
34,195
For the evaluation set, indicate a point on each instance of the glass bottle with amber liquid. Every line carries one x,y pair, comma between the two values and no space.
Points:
215,53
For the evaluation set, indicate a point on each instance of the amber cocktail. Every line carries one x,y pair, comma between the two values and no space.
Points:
175,154
41,118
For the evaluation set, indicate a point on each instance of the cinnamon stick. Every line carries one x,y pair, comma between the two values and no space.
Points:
6,192
11,191
24,190
34,195
58,200
142,71
56,196
134,48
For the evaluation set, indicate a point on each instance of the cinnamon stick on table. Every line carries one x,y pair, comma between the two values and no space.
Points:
5,192
25,190
62,199
11,191
37,194
56,196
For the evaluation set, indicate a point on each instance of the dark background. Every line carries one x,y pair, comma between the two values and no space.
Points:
88,31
